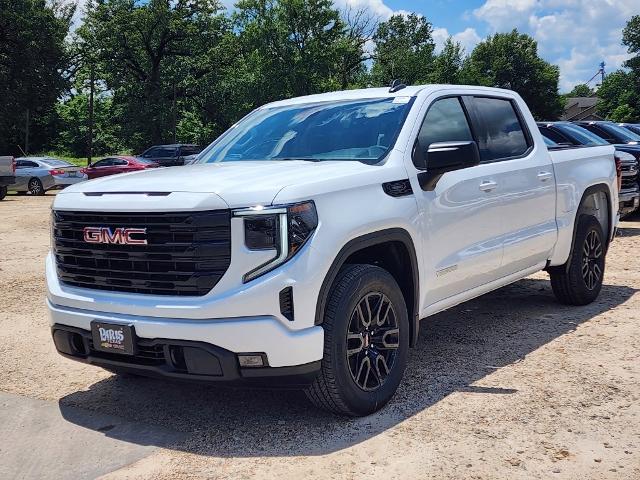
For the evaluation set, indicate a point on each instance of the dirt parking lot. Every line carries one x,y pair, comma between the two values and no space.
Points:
509,386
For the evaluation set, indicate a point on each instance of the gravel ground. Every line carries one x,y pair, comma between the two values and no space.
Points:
510,385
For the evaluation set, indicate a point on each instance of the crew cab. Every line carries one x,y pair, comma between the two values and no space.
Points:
309,241
7,174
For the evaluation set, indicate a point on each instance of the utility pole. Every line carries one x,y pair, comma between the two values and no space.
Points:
91,90
602,65
26,135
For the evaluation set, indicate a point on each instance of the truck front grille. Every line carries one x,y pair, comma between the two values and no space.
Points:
629,175
186,252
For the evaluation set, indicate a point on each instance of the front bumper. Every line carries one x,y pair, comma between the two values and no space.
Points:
281,346
180,360
628,201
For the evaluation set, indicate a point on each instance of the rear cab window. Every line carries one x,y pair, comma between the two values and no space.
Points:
502,135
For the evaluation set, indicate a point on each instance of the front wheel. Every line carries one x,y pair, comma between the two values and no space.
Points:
366,341
579,281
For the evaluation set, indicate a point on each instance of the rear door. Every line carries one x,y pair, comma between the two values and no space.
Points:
525,182
25,170
461,217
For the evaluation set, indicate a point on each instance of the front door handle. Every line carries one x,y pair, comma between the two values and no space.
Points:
544,176
488,186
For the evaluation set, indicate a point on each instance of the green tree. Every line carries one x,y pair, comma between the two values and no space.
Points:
617,94
72,124
510,60
403,50
447,65
295,47
32,57
151,56
580,90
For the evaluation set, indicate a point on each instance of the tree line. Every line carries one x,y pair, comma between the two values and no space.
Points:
134,74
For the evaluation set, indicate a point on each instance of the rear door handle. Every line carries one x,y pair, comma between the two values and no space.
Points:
487,186
544,176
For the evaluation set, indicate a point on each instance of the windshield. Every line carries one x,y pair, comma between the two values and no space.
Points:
581,135
622,133
355,130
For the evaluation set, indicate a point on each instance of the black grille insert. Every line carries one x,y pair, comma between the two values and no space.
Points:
187,252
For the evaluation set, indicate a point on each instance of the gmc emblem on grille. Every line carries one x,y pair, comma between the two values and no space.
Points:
122,236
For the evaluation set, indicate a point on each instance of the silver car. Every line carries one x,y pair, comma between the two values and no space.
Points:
36,175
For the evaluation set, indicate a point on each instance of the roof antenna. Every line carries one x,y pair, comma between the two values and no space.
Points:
396,85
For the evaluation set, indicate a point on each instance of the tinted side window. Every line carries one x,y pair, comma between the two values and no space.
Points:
119,161
503,135
165,152
190,150
103,163
599,132
445,122
553,135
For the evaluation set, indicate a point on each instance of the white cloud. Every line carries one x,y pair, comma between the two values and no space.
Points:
505,14
469,38
575,34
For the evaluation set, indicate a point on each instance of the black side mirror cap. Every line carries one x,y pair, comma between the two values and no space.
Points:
443,157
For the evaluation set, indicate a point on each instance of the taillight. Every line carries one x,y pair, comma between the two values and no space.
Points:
56,172
618,161
13,164
83,171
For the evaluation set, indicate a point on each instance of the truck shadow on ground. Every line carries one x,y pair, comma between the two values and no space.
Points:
456,348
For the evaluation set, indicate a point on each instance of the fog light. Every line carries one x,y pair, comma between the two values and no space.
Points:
252,360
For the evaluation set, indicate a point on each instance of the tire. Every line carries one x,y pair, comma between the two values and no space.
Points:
347,384
579,281
3,192
35,187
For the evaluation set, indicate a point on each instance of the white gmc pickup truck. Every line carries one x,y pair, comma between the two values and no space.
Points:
309,240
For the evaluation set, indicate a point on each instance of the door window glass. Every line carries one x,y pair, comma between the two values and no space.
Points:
503,135
445,122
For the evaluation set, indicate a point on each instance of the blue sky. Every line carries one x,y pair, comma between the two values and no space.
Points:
574,34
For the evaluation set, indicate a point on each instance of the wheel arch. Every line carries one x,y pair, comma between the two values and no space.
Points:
584,207
391,249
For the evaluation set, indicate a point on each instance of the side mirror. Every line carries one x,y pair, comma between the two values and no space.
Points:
443,157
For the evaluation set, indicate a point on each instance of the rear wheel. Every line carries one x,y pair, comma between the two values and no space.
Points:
579,281
366,332
3,192
35,187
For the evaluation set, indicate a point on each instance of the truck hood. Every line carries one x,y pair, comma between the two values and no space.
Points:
237,183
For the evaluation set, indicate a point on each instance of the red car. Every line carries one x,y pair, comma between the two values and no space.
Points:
119,164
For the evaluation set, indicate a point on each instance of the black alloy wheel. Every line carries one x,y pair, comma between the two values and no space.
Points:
592,251
372,341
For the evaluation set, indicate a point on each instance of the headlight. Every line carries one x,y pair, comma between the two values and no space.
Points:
284,229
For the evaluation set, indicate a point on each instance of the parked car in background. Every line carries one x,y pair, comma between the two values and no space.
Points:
566,133
612,133
36,175
170,155
7,174
634,127
114,165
